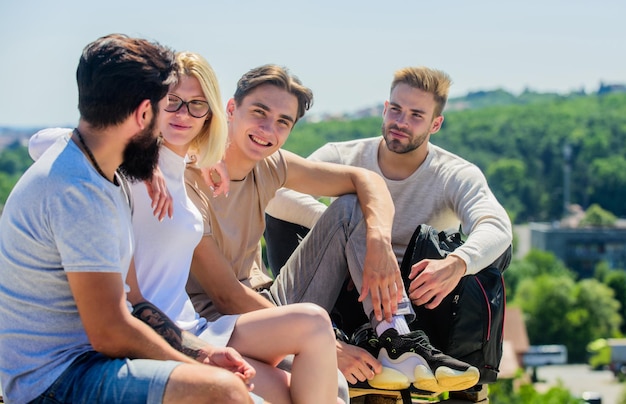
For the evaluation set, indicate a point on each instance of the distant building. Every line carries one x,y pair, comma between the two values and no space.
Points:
581,249
611,88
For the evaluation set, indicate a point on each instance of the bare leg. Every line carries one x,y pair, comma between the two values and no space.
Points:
270,382
204,384
303,330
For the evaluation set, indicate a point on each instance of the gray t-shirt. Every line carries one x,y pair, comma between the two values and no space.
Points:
61,216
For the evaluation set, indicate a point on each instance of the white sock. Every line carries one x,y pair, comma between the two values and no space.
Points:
397,322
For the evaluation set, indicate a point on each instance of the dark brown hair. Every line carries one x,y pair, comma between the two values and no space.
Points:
277,76
116,73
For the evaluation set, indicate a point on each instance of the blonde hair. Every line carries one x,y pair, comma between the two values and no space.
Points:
435,82
210,144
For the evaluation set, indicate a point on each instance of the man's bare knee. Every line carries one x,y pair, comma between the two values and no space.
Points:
204,384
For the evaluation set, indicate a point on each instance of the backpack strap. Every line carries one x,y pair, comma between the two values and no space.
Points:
420,232
426,242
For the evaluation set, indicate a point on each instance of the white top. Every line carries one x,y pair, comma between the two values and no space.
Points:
446,192
164,249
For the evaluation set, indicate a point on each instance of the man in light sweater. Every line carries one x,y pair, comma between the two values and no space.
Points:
428,185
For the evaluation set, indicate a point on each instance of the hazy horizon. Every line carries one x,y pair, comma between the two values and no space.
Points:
345,51
313,117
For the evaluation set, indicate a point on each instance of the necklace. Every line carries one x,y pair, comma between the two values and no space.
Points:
90,154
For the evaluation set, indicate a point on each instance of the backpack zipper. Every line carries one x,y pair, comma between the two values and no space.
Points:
482,289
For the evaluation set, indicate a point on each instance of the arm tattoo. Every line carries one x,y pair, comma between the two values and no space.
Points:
180,340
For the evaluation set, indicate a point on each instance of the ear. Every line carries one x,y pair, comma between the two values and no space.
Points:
436,124
230,108
385,106
143,114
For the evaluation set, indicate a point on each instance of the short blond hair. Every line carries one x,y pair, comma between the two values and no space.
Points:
435,82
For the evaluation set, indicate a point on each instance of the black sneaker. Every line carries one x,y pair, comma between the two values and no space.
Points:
424,365
389,379
340,335
365,337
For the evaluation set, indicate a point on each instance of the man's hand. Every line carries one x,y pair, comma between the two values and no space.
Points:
356,364
229,359
381,278
162,202
217,178
433,280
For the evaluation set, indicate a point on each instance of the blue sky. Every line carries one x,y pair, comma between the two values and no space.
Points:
346,51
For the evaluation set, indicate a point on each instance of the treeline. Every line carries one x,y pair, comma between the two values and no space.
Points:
523,147
523,150
14,160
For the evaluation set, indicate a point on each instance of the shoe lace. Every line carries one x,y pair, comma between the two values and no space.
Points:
365,338
409,341
365,335
423,340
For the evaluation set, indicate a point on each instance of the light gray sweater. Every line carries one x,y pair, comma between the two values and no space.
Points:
446,192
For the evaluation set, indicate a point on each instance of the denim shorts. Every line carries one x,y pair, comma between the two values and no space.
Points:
95,378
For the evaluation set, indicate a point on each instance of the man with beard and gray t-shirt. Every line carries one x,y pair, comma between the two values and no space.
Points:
67,333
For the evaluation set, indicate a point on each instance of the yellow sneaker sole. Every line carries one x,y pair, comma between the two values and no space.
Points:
389,379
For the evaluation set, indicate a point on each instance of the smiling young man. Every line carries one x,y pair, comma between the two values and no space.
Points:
352,238
266,105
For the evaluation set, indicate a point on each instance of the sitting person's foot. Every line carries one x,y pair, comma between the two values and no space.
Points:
365,337
422,364
389,379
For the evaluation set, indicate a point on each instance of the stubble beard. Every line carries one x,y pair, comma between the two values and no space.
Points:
415,141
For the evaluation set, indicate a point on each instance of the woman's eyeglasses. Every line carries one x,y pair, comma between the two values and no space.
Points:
195,108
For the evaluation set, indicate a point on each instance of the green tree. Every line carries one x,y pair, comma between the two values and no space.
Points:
508,179
546,302
602,271
7,182
596,314
504,392
307,137
595,216
616,280
535,263
14,160
561,311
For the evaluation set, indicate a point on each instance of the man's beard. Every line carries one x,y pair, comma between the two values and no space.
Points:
395,145
141,154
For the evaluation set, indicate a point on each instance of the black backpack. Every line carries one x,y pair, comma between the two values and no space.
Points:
468,324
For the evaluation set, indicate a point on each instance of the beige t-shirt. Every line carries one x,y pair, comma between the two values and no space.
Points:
236,223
